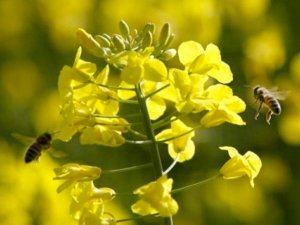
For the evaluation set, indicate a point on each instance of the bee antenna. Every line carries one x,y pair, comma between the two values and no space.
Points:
247,86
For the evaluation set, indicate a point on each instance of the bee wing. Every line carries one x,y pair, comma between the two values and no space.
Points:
23,139
280,95
56,153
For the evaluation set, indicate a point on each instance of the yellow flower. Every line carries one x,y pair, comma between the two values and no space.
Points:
83,96
222,106
155,197
141,66
183,145
134,70
88,203
238,166
102,99
187,87
102,135
77,114
205,62
72,77
156,104
73,172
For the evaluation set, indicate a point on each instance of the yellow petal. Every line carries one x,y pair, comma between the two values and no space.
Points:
132,74
155,70
184,154
126,94
82,66
155,197
101,135
156,107
103,76
181,82
188,51
238,166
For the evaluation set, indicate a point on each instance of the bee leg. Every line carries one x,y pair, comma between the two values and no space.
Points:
258,111
268,116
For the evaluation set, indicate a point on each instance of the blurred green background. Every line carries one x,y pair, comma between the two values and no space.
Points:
259,39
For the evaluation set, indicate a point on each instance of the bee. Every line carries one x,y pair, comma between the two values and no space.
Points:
41,143
270,99
34,151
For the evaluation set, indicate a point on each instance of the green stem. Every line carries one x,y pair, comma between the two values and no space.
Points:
140,142
158,169
136,218
177,136
164,121
156,91
194,185
127,168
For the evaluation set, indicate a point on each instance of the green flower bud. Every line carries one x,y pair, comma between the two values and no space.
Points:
149,27
148,39
171,38
103,40
124,28
119,42
165,35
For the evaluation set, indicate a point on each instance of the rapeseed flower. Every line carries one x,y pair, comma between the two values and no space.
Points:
141,66
181,148
73,172
155,197
88,203
239,165
202,61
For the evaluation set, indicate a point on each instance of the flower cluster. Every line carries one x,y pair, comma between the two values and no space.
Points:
163,98
85,101
193,92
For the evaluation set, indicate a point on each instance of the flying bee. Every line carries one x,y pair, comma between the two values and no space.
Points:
34,151
270,99
38,145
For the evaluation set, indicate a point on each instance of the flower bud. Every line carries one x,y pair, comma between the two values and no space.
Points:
118,42
165,35
168,54
124,28
89,43
148,39
103,40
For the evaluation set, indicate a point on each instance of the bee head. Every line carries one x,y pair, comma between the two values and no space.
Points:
257,90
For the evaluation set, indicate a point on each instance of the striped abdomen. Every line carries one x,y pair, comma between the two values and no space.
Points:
273,104
33,153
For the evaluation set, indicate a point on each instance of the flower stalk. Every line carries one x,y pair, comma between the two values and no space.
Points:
154,151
